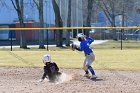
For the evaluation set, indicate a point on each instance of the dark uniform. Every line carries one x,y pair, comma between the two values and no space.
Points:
51,70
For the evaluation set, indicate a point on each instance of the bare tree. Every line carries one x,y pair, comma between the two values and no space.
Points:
68,23
39,4
113,8
89,13
2,3
58,23
108,7
19,7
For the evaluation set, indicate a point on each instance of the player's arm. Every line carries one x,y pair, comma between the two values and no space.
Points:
90,40
81,48
74,46
45,73
77,48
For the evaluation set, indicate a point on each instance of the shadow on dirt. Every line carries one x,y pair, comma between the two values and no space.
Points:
97,79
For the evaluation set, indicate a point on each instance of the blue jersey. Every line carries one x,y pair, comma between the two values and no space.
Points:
85,45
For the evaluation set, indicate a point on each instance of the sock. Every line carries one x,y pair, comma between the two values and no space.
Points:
91,70
86,71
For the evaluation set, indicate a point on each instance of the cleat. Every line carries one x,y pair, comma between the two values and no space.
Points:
87,75
93,77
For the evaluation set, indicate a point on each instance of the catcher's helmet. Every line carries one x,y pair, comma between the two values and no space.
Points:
46,58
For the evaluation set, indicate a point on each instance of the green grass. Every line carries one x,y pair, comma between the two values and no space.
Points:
127,44
110,59
108,56
118,60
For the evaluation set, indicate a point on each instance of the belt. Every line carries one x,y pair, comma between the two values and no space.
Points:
88,54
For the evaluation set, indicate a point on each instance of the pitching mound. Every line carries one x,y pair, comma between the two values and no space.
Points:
24,80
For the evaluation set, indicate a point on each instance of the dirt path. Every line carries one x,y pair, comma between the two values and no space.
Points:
24,80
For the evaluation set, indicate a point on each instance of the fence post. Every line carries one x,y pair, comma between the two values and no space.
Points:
11,39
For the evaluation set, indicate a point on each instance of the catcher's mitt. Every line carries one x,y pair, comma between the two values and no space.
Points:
73,47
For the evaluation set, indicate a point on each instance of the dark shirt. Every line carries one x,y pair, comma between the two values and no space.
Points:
51,69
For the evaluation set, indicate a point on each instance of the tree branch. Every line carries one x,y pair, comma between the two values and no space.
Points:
37,4
106,13
18,6
14,5
106,8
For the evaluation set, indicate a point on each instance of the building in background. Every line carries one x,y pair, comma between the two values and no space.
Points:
9,18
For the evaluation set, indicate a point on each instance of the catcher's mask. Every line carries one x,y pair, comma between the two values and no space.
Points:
46,58
80,37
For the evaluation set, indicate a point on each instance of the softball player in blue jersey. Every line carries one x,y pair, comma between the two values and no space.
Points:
89,55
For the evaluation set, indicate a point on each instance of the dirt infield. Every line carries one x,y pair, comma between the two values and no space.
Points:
24,80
